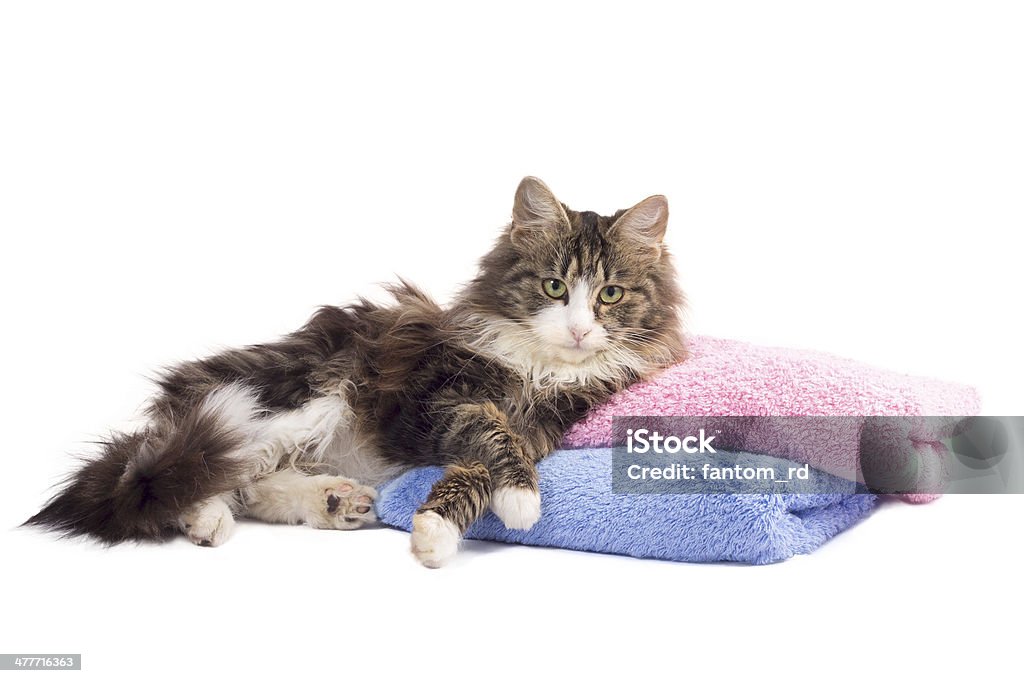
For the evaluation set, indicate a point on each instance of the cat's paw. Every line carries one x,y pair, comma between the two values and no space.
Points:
209,523
518,508
341,503
435,540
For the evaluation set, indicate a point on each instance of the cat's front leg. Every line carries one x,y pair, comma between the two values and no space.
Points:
488,467
483,432
457,500
515,497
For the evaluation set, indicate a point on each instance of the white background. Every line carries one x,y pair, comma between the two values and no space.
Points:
176,177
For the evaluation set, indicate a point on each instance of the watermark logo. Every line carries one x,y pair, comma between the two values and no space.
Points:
647,441
818,454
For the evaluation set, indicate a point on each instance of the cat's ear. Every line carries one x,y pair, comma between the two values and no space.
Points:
646,222
536,211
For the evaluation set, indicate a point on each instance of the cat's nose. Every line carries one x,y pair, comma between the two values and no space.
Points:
578,333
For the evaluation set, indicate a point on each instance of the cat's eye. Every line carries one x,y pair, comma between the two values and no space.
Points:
611,294
554,288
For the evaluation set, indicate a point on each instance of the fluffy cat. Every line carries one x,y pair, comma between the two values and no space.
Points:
567,308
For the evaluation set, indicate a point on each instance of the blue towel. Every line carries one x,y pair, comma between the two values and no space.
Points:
580,511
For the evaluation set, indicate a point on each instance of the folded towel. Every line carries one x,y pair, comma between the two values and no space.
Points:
731,378
580,511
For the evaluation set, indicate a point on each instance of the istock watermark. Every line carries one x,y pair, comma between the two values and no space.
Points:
644,441
709,473
848,454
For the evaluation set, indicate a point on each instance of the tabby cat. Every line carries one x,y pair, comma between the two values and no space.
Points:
567,308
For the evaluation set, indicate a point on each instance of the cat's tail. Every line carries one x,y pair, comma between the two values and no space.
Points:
141,483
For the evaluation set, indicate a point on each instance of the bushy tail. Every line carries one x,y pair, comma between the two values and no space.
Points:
141,482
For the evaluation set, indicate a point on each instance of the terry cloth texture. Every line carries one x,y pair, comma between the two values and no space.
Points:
580,511
730,378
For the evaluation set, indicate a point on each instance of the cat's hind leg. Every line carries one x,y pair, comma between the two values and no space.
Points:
182,463
209,522
321,501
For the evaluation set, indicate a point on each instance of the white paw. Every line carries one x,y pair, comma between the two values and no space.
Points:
340,503
518,508
435,540
209,523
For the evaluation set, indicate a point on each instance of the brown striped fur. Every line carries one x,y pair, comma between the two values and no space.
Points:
478,386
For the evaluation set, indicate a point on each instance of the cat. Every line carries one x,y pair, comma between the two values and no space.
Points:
566,309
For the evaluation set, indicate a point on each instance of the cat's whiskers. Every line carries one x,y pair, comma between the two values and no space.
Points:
514,343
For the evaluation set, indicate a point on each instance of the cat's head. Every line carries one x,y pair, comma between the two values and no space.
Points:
574,295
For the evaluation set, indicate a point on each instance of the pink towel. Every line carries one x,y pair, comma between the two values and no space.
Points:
731,378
